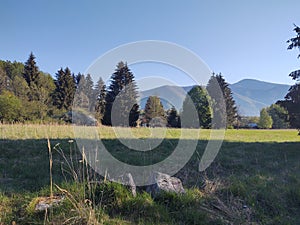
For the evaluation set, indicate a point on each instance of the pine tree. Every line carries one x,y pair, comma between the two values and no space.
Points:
89,92
215,83
154,112
31,75
173,117
100,93
81,99
65,89
121,99
197,99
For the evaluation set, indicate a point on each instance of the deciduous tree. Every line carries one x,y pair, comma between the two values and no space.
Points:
154,112
265,120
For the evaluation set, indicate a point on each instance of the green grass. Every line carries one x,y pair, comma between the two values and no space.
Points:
255,178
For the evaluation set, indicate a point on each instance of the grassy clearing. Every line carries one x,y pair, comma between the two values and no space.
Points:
254,179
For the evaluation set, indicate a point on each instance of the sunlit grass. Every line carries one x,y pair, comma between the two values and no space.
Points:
14,132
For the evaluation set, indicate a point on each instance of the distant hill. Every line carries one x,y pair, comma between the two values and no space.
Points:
250,95
253,95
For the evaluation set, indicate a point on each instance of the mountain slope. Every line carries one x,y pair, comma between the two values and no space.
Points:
250,95
253,95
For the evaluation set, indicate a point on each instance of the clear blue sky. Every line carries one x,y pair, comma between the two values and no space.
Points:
241,39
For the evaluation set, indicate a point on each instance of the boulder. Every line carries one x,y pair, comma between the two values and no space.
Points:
127,180
164,182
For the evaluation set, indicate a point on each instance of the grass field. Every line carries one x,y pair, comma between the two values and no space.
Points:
255,179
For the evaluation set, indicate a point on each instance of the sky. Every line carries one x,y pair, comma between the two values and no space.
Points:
240,39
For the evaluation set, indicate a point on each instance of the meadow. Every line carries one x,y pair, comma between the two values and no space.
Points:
255,179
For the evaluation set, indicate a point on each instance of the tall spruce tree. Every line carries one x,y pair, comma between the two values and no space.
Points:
121,99
31,75
198,97
154,112
81,99
292,99
173,117
100,95
216,82
65,89
89,92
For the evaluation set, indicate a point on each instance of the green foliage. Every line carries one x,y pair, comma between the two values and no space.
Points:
265,120
121,98
279,116
200,99
20,88
100,93
65,89
154,112
222,104
173,118
10,107
31,75
3,80
292,99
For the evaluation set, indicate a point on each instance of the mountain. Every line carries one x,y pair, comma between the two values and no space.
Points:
253,95
250,95
169,95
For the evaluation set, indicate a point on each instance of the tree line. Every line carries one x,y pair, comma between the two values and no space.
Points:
28,94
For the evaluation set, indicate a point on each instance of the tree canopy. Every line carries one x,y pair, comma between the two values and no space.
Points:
121,108
154,112
292,99
199,98
222,102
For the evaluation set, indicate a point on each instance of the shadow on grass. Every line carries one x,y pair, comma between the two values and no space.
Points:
265,176
24,164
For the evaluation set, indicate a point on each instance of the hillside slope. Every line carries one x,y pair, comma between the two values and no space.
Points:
250,95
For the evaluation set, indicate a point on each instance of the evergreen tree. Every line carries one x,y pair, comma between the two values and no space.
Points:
65,89
216,82
79,80
100,93
154,114
89,92
173,117
292,99
265,120
199,98
3,80
81,99
121,98
31,75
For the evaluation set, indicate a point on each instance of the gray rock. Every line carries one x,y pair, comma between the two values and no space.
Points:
127,180
130,182
164,182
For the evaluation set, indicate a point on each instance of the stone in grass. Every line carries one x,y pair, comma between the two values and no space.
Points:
127,180
164,182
